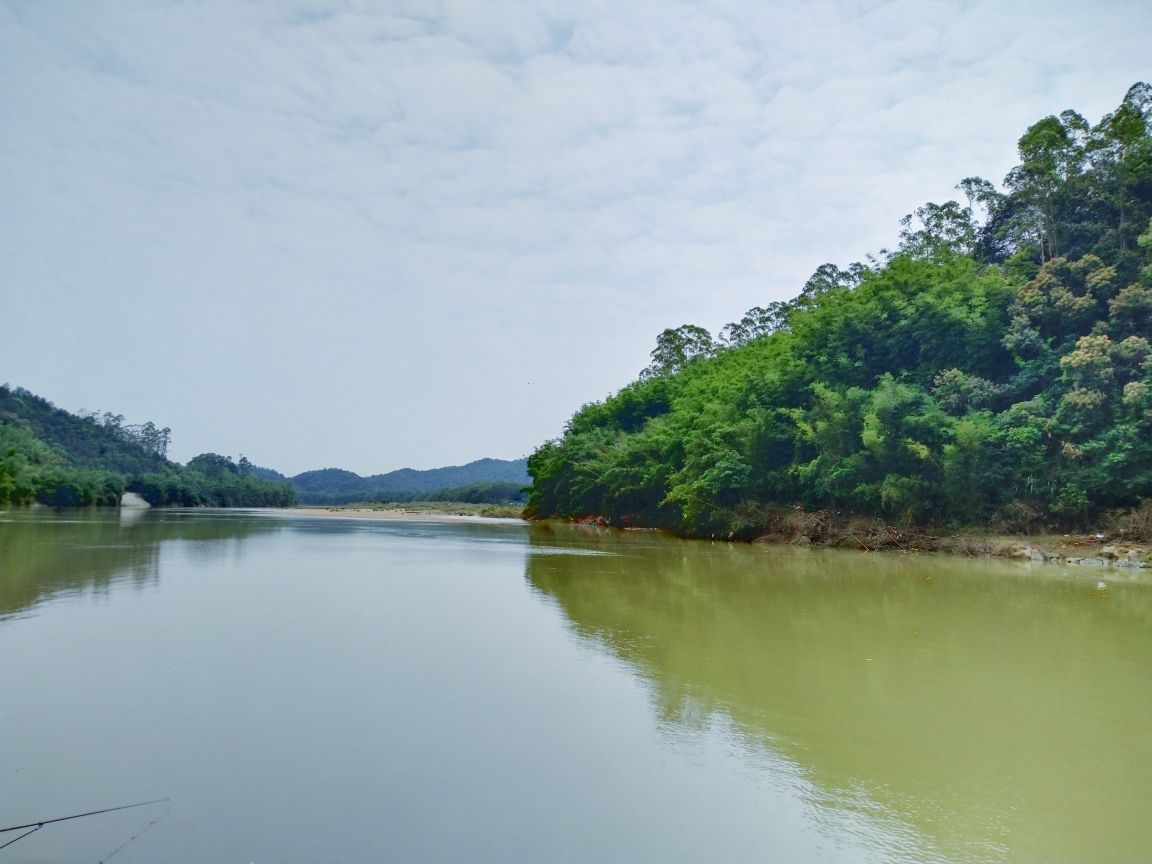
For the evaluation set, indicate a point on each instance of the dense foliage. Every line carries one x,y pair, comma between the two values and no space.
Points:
214,481
31,470
484,492
53,457
995,370
492,492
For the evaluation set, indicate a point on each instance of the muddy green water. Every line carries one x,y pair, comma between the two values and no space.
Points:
338,690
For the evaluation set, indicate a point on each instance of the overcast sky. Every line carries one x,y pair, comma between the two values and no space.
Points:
385,235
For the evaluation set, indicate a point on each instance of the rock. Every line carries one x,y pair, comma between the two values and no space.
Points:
1037,555
1017,551
1073,560
1092,562
1109,552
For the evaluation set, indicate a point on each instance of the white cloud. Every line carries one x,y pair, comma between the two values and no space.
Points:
352,234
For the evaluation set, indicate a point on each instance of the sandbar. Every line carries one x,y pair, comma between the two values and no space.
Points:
397,514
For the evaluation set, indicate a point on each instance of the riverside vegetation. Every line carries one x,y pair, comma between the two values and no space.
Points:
992,371
50,456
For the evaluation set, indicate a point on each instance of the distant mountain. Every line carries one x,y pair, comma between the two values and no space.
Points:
268,474
336,486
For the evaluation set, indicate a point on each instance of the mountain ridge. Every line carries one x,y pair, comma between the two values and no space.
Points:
339,486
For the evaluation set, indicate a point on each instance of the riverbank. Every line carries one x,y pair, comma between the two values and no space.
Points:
1107,547
1121,540
420,511
1089,550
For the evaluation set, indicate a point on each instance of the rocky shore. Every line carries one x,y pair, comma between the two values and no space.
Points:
1087,554
1091,550
1113,547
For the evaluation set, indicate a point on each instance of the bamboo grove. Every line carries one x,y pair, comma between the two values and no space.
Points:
995,368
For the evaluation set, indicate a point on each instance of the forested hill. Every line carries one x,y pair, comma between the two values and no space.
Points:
336,486
996,368
54,457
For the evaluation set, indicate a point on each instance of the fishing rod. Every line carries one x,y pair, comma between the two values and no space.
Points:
36,826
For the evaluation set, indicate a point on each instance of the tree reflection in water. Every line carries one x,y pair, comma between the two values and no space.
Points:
992,709
44,555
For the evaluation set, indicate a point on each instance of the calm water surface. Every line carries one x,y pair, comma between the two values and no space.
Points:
339,690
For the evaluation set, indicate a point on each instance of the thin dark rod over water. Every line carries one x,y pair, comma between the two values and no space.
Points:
22,836
36,826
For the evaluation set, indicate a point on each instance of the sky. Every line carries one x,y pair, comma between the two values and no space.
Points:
377,235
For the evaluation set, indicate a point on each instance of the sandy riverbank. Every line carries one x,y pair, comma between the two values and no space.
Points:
821,530
1087,550
449,514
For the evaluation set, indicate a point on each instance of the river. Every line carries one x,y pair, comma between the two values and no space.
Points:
309,690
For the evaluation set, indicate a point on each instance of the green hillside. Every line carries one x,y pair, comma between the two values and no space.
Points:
484,492
995,369
334,486
53,457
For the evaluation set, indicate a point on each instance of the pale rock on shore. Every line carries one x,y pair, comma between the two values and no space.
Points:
1117,555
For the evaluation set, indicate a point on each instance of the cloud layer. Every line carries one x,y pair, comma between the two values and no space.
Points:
387,235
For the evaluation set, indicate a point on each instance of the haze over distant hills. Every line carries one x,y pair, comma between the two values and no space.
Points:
336,486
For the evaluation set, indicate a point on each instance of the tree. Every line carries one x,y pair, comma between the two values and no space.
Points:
1120,149
675,349
1051,154
757,321
828,277
946,230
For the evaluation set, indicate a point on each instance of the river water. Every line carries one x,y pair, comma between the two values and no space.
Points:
341,690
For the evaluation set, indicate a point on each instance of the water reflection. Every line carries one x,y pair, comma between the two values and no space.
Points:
43,555
993,711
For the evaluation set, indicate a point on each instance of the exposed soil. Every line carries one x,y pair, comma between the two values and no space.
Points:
1120,542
